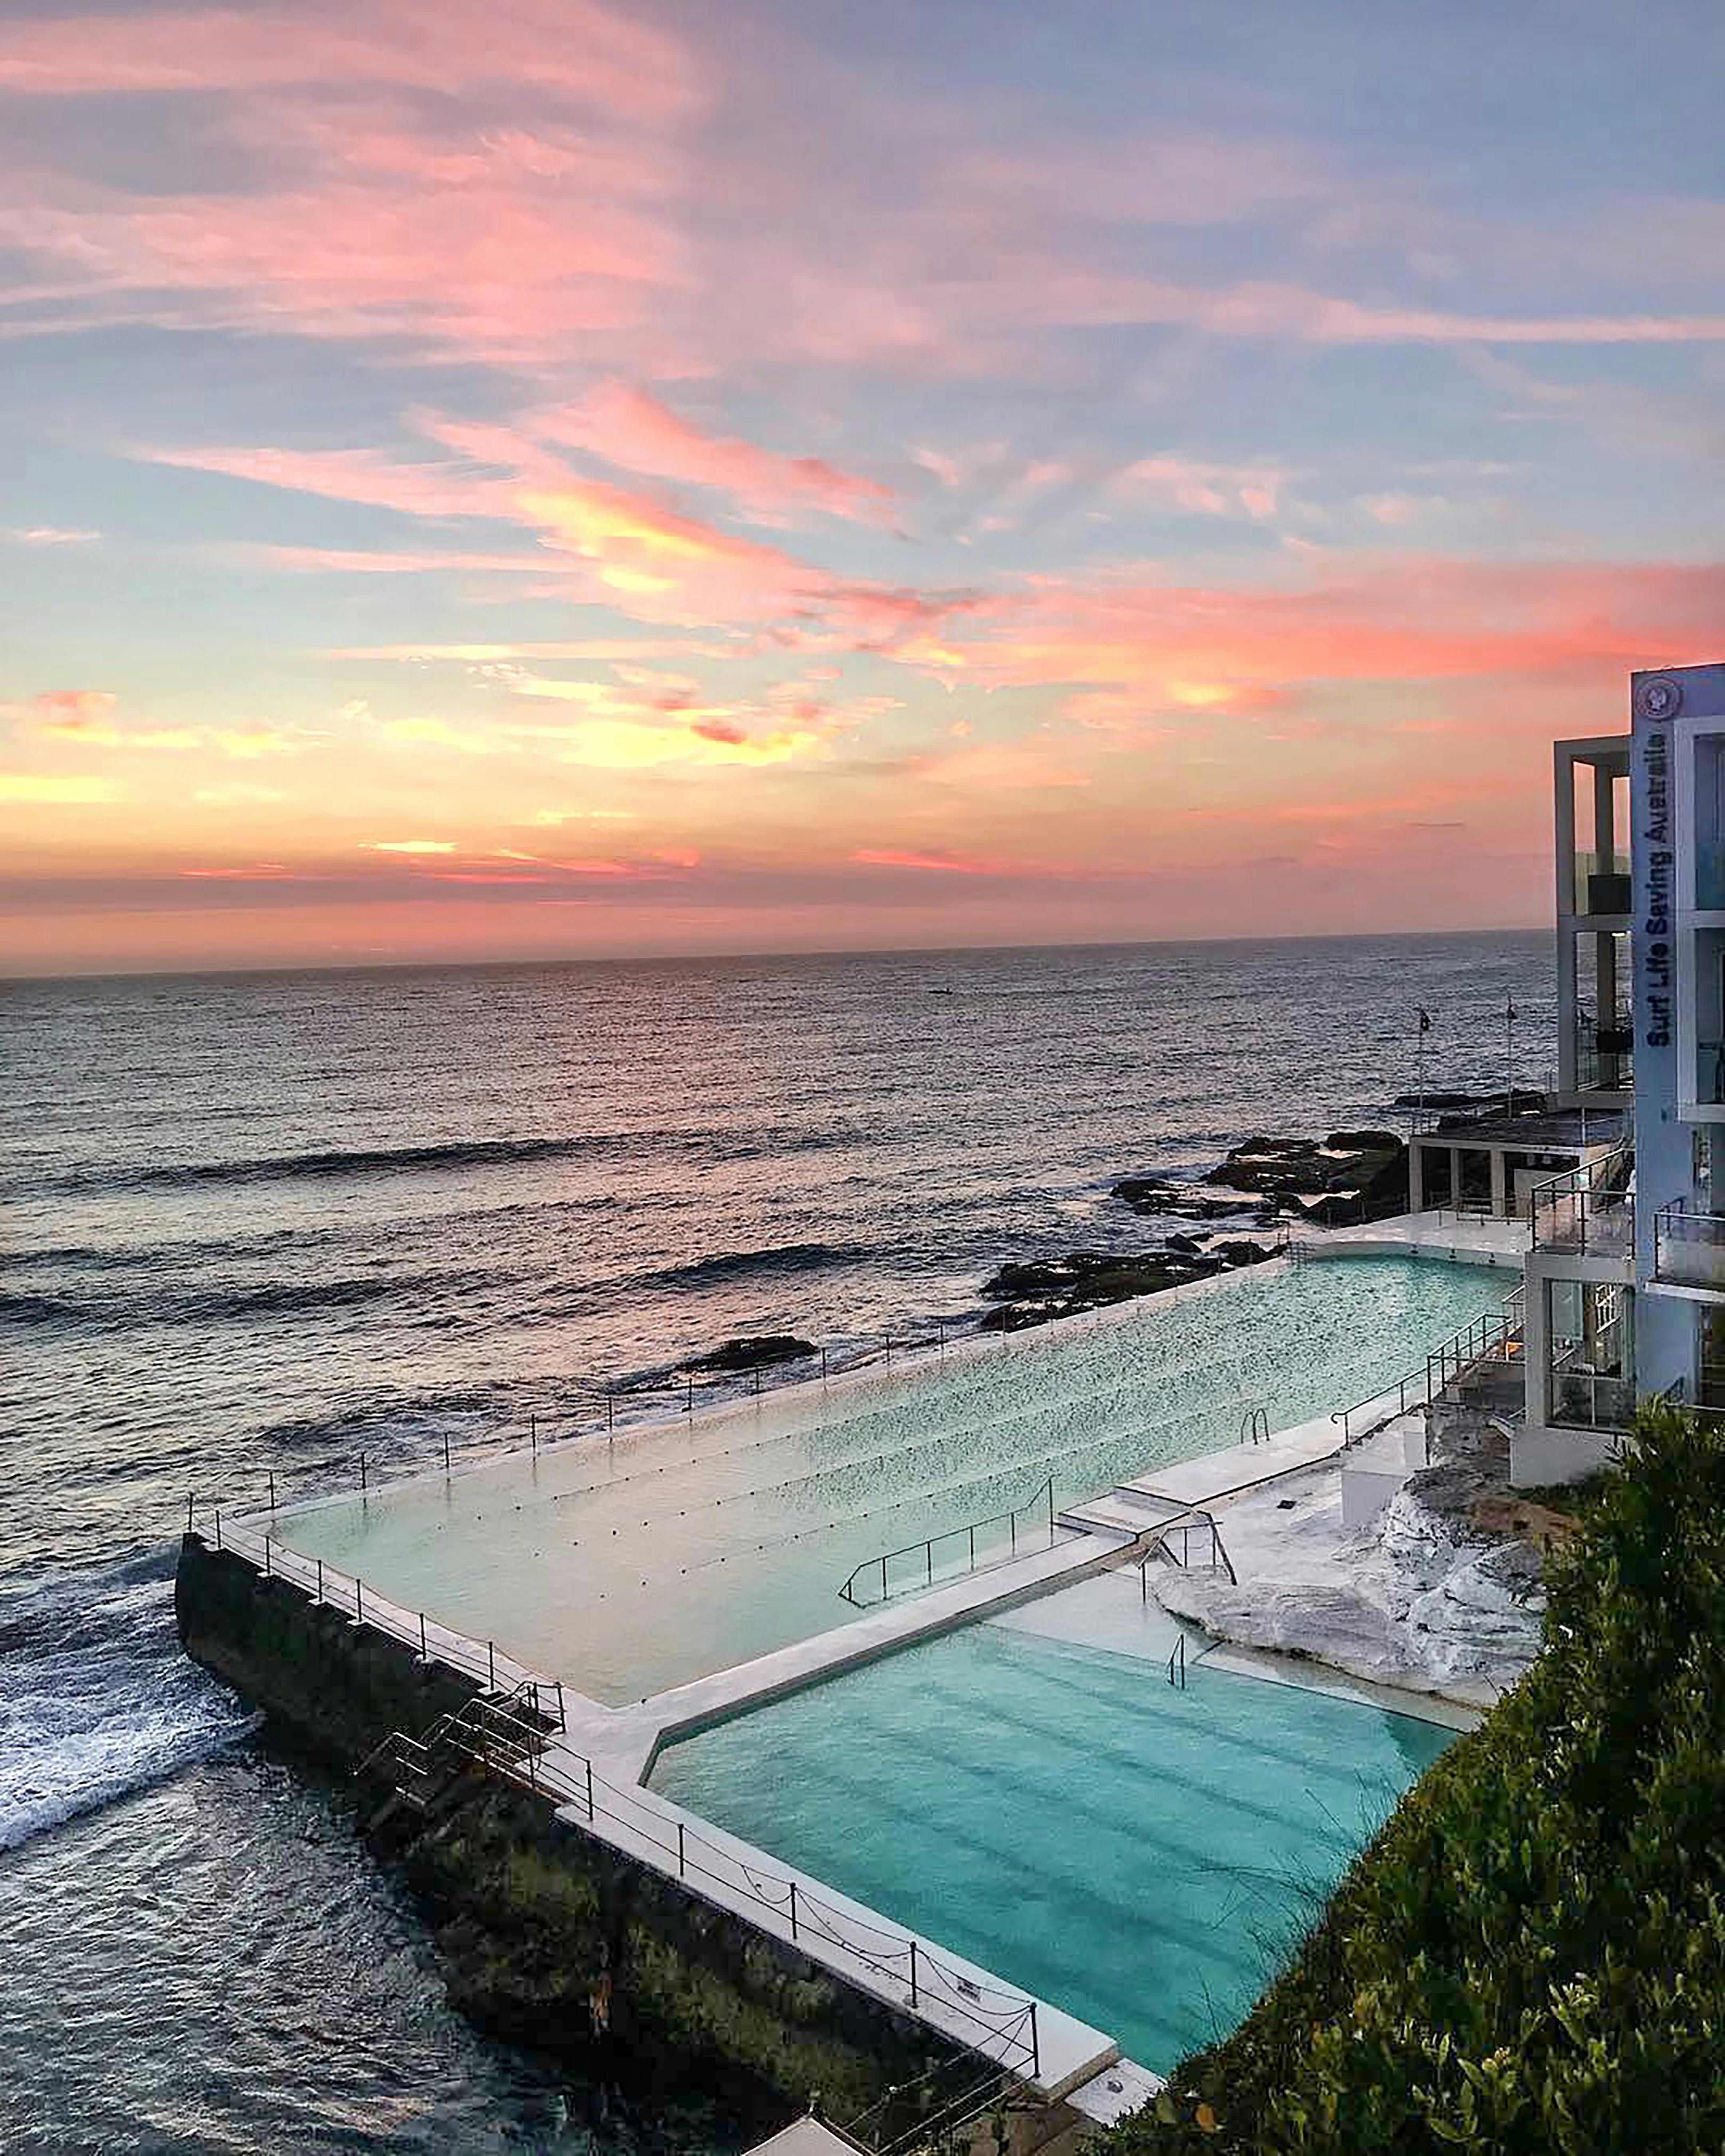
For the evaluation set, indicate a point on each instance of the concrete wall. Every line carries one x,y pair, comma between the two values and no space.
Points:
1540,1456
547,1937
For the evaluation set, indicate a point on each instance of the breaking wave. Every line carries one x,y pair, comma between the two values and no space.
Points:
96,1698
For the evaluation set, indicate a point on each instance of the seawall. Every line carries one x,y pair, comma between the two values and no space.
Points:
549,1937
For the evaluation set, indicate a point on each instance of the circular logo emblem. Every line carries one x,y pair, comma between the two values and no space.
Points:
1659,697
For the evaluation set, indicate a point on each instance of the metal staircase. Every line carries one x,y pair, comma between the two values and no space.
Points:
498,1732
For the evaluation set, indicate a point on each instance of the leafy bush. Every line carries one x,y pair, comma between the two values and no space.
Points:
1530,1954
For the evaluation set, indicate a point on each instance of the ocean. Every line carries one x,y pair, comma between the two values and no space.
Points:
259,1223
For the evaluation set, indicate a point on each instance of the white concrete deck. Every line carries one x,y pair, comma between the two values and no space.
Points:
1469,1241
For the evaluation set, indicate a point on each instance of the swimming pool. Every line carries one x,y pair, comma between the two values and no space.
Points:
628,1566
1140,1857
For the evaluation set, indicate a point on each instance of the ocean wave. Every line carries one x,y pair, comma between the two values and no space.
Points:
97,1698
316,1166
781,1258
107,1312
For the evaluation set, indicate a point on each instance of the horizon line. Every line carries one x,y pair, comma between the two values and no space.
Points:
381,965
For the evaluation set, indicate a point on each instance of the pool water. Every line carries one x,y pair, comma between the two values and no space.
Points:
625,1567
1140,1857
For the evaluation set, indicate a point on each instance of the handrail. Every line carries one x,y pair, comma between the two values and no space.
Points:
1177,1655
926,1548
1484,1336
1255,1426
1194,1515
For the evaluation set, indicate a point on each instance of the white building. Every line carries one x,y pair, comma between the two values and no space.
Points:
1625,1281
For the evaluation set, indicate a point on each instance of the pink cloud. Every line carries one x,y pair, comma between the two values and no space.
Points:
574,46
1130,649
627,426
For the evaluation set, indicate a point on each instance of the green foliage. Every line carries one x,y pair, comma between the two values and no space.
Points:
1530,1956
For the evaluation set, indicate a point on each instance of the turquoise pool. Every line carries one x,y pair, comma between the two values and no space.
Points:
628,1567
1140,1857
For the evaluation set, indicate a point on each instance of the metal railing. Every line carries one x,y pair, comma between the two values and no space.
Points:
1177,1662
1689,1246
923,1571
1496,1338
1184,1523
1587,1208
551,1768
1255,1426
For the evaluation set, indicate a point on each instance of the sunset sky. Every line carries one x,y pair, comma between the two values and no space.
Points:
483,478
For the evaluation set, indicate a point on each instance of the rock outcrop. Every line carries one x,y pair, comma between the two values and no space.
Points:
753,1351
1352,1175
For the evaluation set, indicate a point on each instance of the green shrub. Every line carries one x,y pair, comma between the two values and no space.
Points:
1530,1955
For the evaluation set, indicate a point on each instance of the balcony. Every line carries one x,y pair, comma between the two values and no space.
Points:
1589,1211
1689,1247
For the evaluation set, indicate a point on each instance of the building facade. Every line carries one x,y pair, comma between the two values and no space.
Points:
1624,1289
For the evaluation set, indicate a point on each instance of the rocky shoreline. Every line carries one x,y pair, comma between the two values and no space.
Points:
1232,1216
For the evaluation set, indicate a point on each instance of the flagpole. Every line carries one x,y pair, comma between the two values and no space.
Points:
1424,1023
1509,1055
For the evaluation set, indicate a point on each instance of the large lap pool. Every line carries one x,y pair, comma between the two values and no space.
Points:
1140,1857
627,1567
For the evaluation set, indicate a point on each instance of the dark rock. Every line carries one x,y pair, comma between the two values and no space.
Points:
1144,1189
1356,1174
755,1351
1155,1196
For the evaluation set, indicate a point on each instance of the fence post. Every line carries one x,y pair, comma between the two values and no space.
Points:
320,1579
424,1655
359,1601
589,1792
757,1381
610,1408
1035,2046
913,1972
889,1351
266,1556
362,1471
491,1664
794,1908
272,1489
533,1434
189,1511
823,1365
446,1452
219,1527
689,1405
682,1861
562,1719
